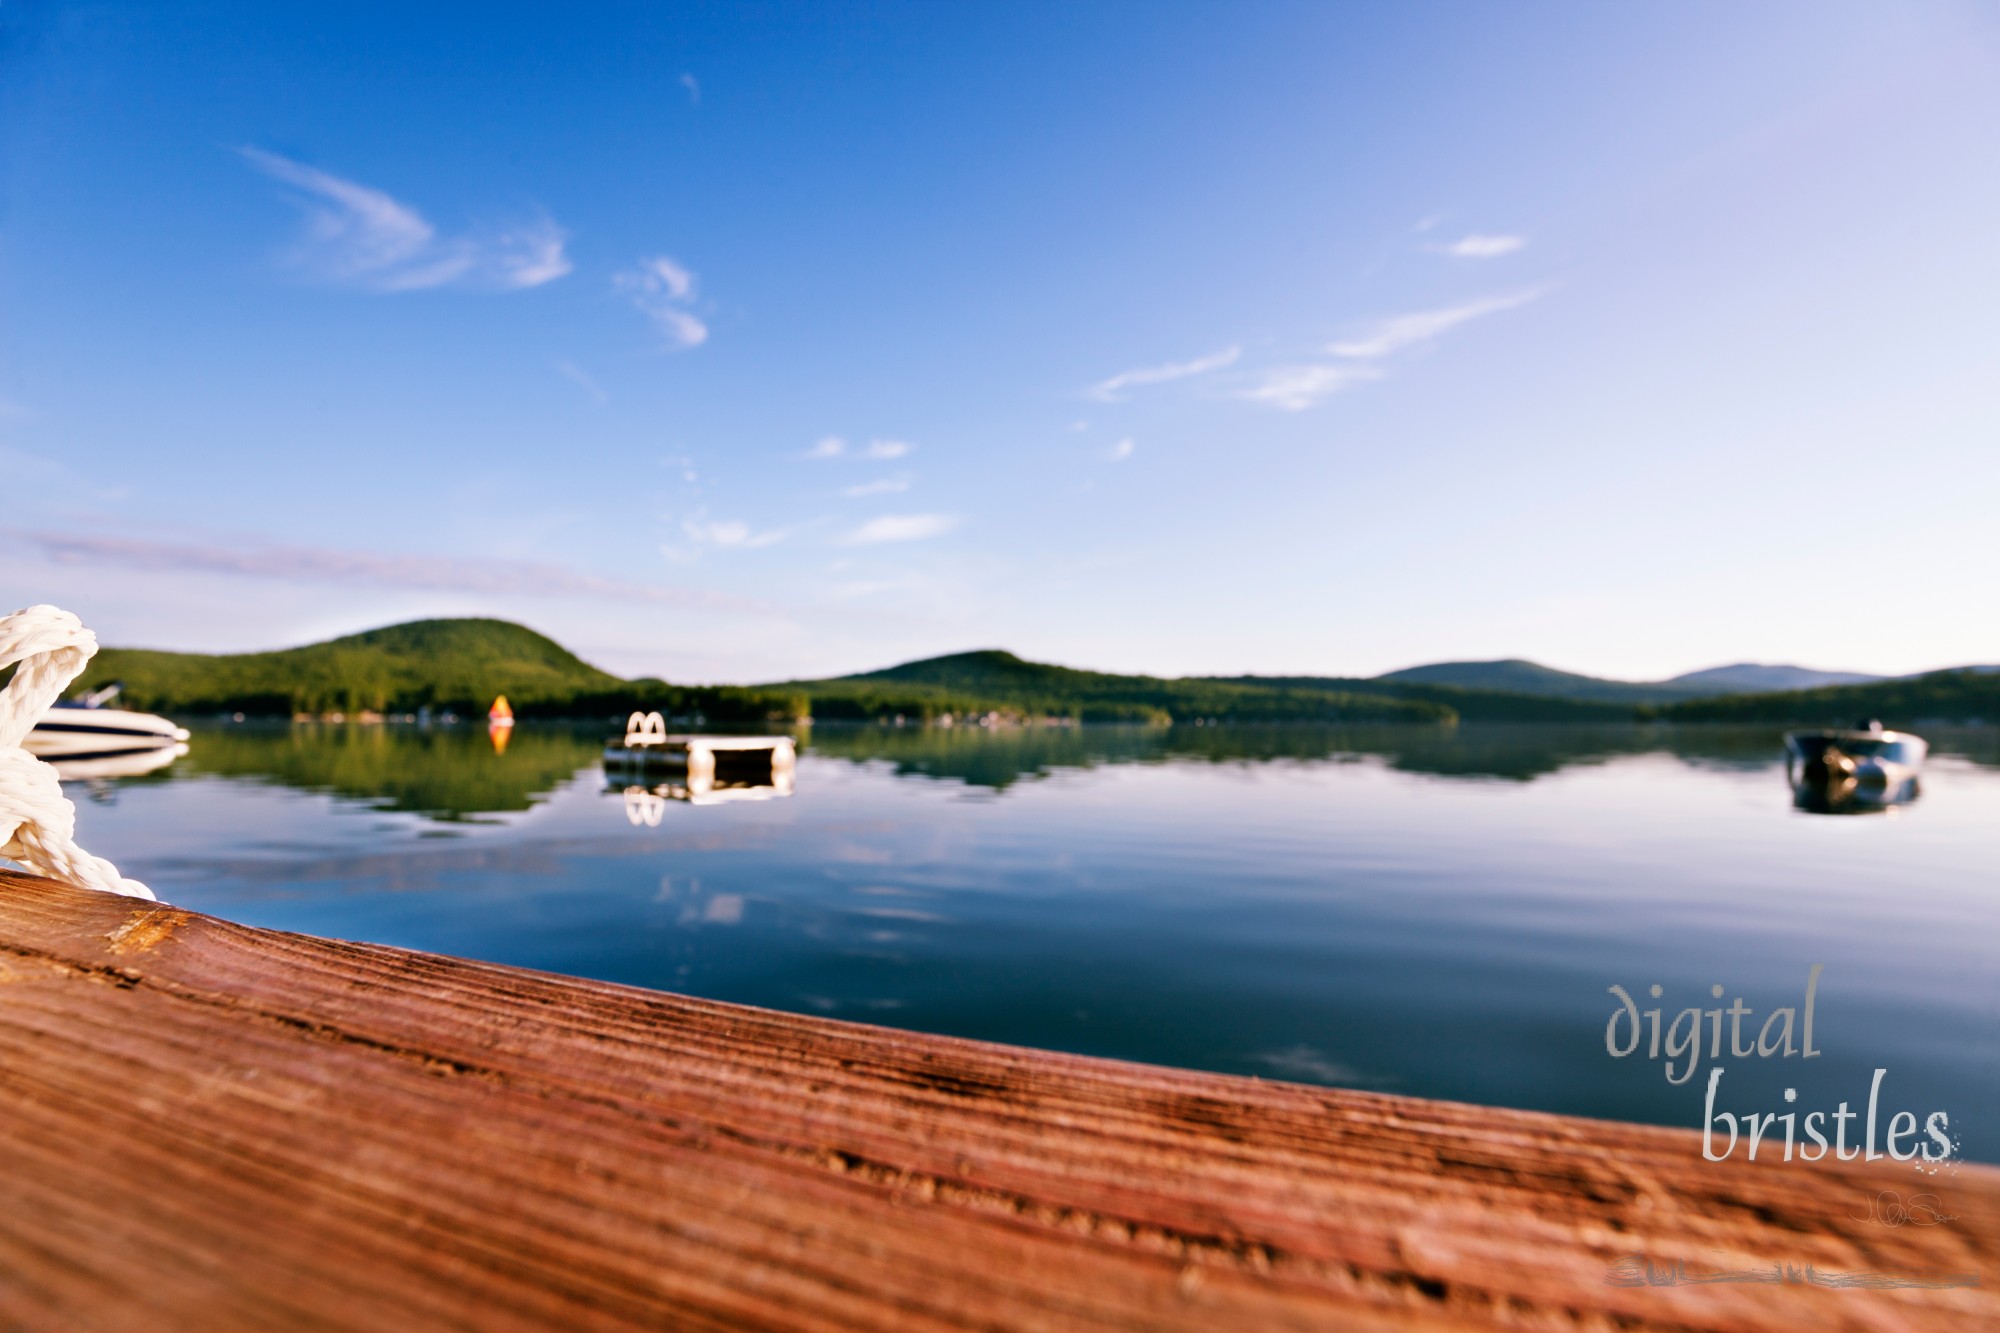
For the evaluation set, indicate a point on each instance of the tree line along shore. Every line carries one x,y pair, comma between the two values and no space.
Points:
461,665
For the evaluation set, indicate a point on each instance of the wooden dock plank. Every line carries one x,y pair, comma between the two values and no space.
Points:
209,1126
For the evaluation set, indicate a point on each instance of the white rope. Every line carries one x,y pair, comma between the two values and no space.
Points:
37,823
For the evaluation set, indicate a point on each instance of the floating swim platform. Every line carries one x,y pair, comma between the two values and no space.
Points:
708,766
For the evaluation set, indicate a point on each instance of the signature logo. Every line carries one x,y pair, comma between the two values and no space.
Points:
1888,1208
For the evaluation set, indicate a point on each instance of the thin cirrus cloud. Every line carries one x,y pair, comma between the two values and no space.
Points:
1122,450
1112,390
1295,388
900,528
1360,359
663,291
886,486
835,446
356,235
576,375
365,569
730,534
1477,246
1406,331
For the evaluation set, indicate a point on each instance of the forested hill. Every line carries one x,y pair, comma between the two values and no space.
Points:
992,680
1516,676
457,664
461,665
1970,694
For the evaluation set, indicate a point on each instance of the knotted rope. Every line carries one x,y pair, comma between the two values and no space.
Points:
37,822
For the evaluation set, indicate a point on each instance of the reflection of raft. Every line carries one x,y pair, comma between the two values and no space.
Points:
703,763
648,805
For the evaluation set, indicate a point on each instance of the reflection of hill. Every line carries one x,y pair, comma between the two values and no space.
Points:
452,773
997,759
447,773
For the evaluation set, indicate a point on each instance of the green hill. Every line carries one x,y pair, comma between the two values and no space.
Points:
1516,676
454,664
459,665
992,680
1966,695
1472,705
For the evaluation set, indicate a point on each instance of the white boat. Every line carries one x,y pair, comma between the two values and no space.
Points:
87,728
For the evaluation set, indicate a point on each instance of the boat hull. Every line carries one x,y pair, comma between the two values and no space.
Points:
81,733
1871,758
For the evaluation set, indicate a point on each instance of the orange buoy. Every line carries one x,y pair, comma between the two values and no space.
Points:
500,715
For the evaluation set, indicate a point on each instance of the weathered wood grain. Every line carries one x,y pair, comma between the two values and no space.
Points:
206,1126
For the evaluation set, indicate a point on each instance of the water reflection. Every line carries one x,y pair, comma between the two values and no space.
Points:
648,805
95,771
446,773
1846,795
454,773
1427,911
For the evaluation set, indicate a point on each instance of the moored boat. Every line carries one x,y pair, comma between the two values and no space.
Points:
88,728
1865,754
1855,770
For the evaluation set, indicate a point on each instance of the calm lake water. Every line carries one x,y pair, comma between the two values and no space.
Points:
1406,909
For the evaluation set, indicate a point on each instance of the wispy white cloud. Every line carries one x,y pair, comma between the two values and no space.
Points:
574,373
833,446
661,289
689,82
361,236
730,534
1477,246
900,528
1122,450
1359,359
886,486
1109,390
1405,331
532,255
1295,388
1425,224
362,569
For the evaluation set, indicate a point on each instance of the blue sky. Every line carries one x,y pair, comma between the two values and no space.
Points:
740,342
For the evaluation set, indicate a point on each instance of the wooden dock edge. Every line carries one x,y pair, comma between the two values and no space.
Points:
208,1126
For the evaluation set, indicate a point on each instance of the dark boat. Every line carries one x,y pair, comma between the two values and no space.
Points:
1854,770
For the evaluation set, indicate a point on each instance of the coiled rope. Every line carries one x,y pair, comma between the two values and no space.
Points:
37,822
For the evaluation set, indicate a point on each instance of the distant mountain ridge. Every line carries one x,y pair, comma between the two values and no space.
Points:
1518,676
992,679
460,664
1756,677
